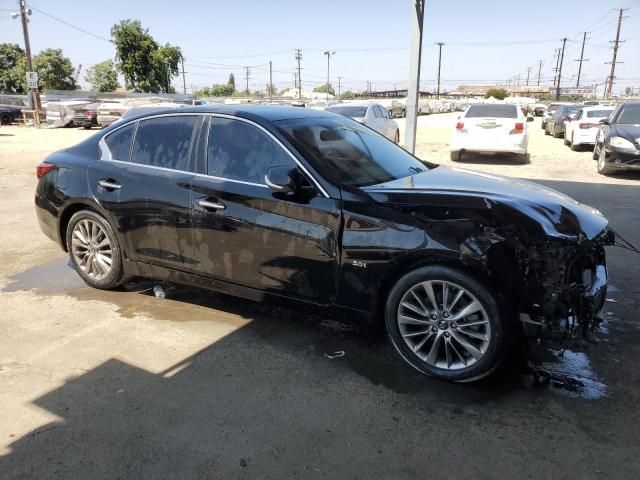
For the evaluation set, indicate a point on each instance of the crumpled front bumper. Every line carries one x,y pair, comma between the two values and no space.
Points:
596,294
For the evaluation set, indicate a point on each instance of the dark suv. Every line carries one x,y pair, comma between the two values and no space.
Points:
259,201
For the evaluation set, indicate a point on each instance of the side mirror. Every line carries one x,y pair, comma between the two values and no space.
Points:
604,121
281,179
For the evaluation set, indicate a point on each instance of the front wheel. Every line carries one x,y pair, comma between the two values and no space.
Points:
94,250
446,324
603,167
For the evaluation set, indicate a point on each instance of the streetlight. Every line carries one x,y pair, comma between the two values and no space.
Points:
328,54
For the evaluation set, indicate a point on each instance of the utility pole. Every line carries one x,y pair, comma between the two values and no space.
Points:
298,57
328,53
339,81
440,44
518,80
184,81
246,76
564,42
555,70
413,89
168,77
540,70
528,74
616,45
582,59
27,48
270,82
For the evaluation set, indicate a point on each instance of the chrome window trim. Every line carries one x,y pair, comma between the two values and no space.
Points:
105,153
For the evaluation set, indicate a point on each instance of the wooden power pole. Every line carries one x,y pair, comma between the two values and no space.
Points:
564,42
616,45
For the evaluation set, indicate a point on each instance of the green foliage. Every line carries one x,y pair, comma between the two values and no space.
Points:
146,66
348,95
323,89
270,88
497,93
103,77
55,71
232,81
217,90
11,56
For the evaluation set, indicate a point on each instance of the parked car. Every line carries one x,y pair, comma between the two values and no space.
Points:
556,122
85,115
539,109
491,128
398,108
149,107
618,140
370,114
582,129
9,115
551,109
110,111
61,113
19,101
256,201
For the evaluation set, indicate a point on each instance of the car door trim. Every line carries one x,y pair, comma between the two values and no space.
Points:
105,153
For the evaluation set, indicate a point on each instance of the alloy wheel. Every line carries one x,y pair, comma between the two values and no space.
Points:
91,249
444,324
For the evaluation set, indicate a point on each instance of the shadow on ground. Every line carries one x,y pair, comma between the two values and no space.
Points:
267,401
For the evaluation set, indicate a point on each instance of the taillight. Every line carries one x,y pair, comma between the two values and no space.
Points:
89,113
460,126
518,128
43,169
587,125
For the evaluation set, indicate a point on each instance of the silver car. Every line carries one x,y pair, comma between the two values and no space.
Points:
373,115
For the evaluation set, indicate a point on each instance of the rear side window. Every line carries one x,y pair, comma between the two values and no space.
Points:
492,111
598,113
164,142
240,151
119,143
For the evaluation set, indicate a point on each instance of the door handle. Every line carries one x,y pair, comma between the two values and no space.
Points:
206,204
108,185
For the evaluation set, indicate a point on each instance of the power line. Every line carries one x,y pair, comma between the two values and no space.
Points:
69,24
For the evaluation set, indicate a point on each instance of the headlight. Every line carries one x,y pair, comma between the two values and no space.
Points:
620,142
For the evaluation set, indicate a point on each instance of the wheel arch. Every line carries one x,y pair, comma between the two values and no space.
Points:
68,212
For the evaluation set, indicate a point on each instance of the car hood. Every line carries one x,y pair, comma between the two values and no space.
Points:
630,132
557,214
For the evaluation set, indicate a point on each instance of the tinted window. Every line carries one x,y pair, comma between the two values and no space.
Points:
119,143
241,151
630,114
164,142
349,111
377,112
347,152
598,113
492,111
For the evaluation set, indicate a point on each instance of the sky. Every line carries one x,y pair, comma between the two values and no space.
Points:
486,42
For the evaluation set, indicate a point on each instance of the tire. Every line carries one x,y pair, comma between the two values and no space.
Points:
403,114
543,125
478,348
546,131
90,256
565,141
6,120
522,158
595,152
603,168
396,139
555,132
455,156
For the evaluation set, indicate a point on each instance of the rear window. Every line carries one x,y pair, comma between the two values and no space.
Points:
492,111
630,114
598,113
351,112
119,143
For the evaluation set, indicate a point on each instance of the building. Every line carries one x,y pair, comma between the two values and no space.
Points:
514,90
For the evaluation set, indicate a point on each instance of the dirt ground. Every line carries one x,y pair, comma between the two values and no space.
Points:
124,385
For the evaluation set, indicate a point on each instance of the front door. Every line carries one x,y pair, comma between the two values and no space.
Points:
249,235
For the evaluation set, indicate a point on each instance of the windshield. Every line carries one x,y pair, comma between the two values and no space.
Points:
348,153
347,111
630,114
492,111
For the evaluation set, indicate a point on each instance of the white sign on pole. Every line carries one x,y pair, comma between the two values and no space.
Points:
32,79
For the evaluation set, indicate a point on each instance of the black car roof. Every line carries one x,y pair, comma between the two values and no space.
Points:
255,112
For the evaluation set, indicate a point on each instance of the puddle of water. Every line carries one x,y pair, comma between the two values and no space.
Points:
50,278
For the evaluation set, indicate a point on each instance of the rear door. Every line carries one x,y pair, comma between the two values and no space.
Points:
248,234
144,182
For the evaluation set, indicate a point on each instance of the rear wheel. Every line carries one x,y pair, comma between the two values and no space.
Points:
446,324
455,156
522,158
94,250
572,145
6,119
546,131
566,141
556,134
596,153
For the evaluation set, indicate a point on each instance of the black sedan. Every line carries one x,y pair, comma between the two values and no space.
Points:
618,140
556,123
258,201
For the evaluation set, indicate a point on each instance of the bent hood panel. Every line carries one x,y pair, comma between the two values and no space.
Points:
558,214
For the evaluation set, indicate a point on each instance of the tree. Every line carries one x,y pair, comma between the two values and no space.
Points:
11,56
146,66
348,95
271,88
497,93
628,91
103,77
323,89
55,71
232,81
220,90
